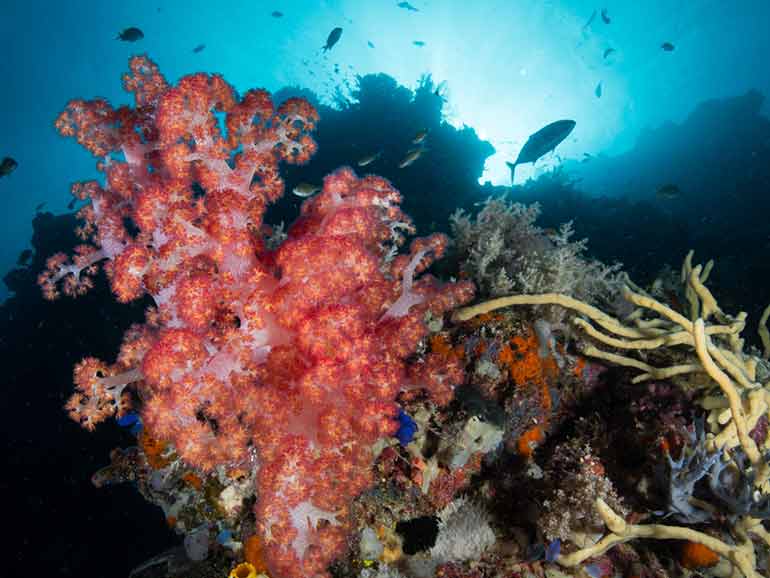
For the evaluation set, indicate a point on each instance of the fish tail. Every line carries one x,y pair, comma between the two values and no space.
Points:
512,166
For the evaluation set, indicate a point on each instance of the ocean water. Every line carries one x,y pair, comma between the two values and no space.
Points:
668,152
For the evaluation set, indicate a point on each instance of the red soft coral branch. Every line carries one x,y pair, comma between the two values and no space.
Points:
297,354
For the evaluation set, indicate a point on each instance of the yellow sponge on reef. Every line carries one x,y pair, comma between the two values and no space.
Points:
244,570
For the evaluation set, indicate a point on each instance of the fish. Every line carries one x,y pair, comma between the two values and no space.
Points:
131,34
411,157
667,47
370,44
7,166
420,136
418,42
605,17
608,52
24,257
542,142
369,159
332,39
199,48
305,190
276,14
39,206
408,7
598,90
71,204
586,157
668,192
590,21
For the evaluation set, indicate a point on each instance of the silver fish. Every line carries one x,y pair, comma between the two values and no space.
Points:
305,190
369,159
410,157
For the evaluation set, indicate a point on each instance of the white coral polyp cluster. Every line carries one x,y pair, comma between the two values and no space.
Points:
505,252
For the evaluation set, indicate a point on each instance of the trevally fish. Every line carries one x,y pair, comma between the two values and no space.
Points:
332,39
543,141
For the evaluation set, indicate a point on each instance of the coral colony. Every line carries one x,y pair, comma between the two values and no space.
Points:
300,399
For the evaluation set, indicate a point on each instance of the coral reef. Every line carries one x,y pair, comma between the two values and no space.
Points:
733,400
503,251
303,405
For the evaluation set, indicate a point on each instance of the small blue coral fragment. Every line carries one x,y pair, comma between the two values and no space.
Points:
406,428
128,419
224,537
553,550
131,420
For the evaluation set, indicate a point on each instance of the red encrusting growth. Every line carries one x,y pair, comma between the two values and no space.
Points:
288,361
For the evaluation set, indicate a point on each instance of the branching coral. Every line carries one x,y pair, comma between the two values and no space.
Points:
504,252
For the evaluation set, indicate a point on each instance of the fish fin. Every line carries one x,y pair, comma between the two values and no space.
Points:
511,166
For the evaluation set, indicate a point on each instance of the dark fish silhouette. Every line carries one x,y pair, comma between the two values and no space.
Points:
590,21
407,6
668,192
131,34
667,47
199,48
598,90
605,17
608,52
7,166
332,39
277,14
543,141
39,206
71,204
418,43
370,44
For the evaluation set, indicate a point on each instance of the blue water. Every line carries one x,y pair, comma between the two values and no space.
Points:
509,68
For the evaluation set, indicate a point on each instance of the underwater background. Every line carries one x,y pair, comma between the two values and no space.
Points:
670,152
